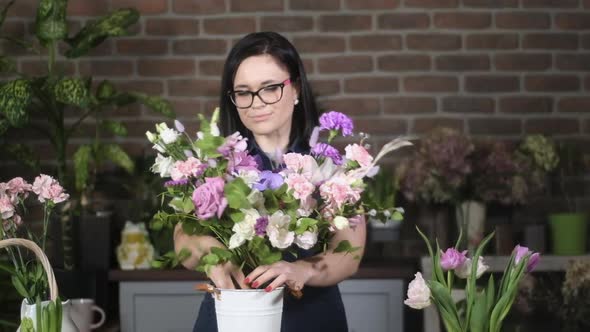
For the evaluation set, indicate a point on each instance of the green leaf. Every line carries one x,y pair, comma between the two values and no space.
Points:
73,91
118,156
490,293
443,295
51,24
237,193
82,159
479,316
26,325
304,224
115,127
15,97
19,286
473,276
105,90
156,104
4,125
346,247
114,24
223,254
7,65
236,216
397,216
22,153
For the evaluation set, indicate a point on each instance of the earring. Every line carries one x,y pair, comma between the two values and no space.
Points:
296,101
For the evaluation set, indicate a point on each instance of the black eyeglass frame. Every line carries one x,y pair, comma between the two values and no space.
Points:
257,93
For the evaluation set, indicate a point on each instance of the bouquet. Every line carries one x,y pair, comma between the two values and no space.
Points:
28,276
216,188
486,305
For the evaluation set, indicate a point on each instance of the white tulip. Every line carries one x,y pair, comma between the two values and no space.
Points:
418,293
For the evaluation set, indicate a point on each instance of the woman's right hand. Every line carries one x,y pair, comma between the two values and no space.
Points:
221,275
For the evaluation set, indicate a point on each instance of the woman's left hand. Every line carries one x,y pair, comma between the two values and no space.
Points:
294,275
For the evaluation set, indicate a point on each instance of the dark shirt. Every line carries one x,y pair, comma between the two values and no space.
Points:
320,309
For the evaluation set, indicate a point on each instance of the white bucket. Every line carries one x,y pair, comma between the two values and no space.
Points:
249,310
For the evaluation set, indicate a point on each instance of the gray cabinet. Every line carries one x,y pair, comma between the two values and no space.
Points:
171,306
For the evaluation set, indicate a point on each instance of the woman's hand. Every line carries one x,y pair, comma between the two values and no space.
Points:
221,275
295,275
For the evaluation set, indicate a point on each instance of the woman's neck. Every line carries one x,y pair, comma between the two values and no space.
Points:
272,142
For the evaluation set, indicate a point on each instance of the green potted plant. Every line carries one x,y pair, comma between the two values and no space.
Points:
50,95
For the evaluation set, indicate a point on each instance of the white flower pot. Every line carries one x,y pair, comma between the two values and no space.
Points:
30,311
471,216
249,310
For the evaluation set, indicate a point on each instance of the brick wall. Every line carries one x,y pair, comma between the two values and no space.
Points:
488,67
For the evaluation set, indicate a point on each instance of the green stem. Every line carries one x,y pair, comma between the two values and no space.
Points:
46,214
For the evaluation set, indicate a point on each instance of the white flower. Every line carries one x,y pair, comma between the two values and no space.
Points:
278,230
162,165
341,222
244,230
215,130
151,136
464,270
418,293
169,135
159,148
372,212
306,240
200,135
250,177
256,199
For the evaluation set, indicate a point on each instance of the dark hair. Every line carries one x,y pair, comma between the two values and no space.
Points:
305,115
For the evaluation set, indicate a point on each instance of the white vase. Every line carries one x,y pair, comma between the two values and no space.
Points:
30,311
249,310
471,217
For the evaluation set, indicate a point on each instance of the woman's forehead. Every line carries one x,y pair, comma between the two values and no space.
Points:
260,69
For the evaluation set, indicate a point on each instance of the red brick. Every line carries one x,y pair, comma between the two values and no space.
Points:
522,61
320,44
325,87
105,68
550,3
523,20
586,3
552,126
211,67
471,105
404,62
172,26
200,7
501,4
426,125
372,4
13,28
87,8
409,105
491,83
495,126
462,62
186,108
352,106
381,126
574,104
573,62
552,83
142,46
346,64
24,8
104,49
458,20
432,42
39,67
199,46
375,42
166,67
308,64
255,6
550,41
503,41
286,23
345,22
371,84
586,41
144,7
526,105
573,21
587,121
431,3
431,84
193,87
399,21
144,85
229,25
315,5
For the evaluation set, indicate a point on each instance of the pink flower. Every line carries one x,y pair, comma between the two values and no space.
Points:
191,167
18,186
299,163
241,160
452,259
359,154
521,252
301,186
533,261
338,190
235,142
48,189
208,198
6,207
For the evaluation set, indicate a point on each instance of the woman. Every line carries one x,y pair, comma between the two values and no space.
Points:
267,98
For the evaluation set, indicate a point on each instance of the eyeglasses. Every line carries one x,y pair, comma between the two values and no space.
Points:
269,94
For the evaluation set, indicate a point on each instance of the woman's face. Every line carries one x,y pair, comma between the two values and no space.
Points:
261,71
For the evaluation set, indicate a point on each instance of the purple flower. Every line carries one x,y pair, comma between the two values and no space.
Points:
234,142
315,134
336,121
173,183
452,259
208,198
260,227
533,261
241,161
326,150
269,180
179,126
522,252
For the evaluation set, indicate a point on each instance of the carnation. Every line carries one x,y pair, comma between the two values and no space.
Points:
336,121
